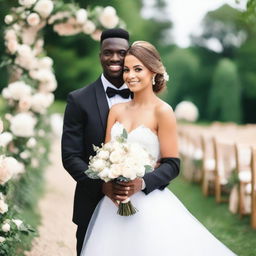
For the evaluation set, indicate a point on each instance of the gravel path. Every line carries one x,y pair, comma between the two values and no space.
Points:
57,232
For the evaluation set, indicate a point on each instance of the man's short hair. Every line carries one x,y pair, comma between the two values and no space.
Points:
114,32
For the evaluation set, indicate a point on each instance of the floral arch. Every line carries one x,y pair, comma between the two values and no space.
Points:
30,92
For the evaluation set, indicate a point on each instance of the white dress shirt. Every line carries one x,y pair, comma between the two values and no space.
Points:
116,99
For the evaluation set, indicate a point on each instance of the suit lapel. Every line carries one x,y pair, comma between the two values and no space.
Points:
102,102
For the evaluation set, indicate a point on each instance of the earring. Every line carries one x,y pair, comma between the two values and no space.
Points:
153,80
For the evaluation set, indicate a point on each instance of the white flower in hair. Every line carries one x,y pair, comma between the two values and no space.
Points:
166,76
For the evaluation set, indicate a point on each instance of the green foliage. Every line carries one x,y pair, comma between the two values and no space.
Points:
57,107
225,94
73,71
225,26
183,68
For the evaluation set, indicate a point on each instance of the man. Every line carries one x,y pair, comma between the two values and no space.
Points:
85,123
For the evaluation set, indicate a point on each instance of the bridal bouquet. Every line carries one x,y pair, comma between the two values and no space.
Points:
120,160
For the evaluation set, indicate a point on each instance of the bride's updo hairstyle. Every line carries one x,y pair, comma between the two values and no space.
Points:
149,56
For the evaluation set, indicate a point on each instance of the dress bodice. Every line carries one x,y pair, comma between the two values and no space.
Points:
141,135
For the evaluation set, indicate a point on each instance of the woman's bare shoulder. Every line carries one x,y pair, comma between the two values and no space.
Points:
164,110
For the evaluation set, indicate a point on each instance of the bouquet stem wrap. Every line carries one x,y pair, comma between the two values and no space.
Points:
126,208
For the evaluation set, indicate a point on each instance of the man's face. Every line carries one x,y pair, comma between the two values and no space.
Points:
112,55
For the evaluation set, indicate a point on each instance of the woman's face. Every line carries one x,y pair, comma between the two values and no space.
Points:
136,75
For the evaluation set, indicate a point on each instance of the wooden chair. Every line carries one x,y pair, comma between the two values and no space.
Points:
253,194
224,153
244,171
208,165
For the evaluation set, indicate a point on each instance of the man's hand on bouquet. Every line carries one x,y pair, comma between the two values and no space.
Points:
108,190
123,190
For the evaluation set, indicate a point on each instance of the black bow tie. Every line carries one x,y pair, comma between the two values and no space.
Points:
124,93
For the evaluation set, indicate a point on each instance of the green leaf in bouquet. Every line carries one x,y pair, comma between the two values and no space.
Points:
91,174
148,168
95,148
124,134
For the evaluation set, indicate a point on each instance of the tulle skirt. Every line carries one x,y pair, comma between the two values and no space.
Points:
162,226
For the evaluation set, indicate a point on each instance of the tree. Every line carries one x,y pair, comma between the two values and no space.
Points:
225,94
182,66
224,27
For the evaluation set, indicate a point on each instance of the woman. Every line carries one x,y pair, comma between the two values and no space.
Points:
162,225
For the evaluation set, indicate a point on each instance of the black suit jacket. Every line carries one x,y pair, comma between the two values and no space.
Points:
85,123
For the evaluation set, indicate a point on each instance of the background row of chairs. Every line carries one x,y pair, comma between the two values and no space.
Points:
222,158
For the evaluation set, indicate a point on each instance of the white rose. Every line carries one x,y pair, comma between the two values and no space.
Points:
116,170
3,207
25,58
33,19
104,174
45,62
31,143
23,125
5,138
8,19
12,46
19,90
67,29
25,103
108,17
17,222
48,86
58,16
43,75
116,156
6,227
16,27
25,154
1,126
38,47
27,3
2,239
103,154
89,27
96,35
41,101
5,172
140,171
44,8
13,166
10,34
6,93
98,165
81,16
29,35
129,172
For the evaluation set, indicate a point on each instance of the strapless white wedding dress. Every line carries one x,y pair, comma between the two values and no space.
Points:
161,227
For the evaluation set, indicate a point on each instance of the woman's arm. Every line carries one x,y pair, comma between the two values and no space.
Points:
170,163
167,132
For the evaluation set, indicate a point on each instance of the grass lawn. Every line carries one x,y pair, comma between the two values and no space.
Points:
57,107
234,232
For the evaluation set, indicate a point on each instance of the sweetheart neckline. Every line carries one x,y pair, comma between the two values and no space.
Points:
139,126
